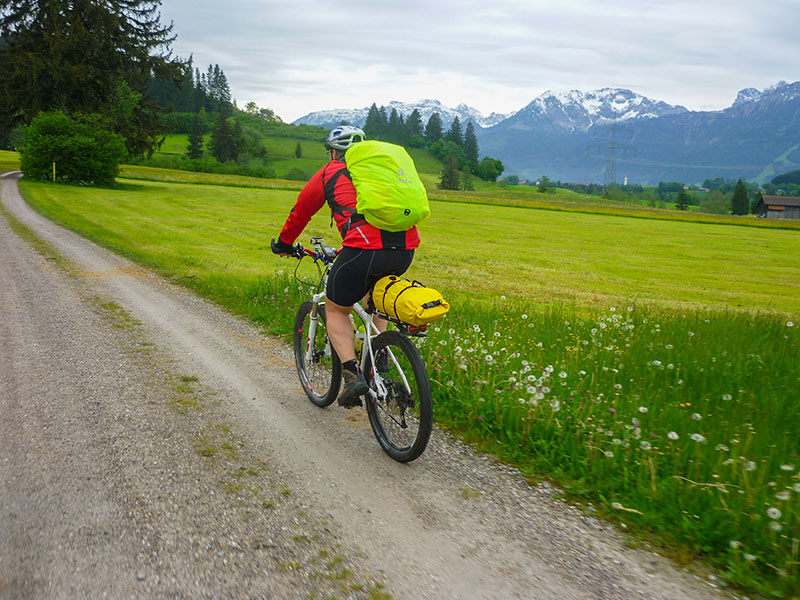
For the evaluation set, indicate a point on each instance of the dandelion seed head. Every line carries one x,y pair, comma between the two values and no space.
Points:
698,438
672,435
609,454
789,324
645,445
735,544
563,374
750,466
775,526
524,316
749,557
696,416
773,513
784,495
787,467
643,409
727,397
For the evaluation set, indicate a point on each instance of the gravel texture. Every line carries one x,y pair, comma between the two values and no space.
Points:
153,446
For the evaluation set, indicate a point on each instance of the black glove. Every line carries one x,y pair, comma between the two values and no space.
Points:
281,247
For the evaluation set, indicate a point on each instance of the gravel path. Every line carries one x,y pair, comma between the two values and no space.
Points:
153,446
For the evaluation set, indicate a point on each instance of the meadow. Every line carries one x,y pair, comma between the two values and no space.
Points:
646,365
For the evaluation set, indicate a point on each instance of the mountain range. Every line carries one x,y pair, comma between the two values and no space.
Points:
612,134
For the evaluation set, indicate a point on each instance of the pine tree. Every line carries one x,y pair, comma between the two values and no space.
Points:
451,179
682,202
414,124
376,124
433,130
223,144
72,56
195,148
471,144
740,204
395,131
454,133
298,151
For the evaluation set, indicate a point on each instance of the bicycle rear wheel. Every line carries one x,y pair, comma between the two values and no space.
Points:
321,375
401,418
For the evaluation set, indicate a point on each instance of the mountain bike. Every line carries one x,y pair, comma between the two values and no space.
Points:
398,400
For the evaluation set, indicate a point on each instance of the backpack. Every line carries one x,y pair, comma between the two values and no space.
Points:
389,192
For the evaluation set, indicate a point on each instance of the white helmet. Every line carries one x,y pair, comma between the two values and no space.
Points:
343,137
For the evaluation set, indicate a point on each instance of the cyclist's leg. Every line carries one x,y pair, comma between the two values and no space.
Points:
340,330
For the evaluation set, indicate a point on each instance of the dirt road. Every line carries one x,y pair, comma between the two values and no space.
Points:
153,446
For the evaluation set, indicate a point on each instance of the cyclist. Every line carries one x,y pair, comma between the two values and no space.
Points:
367,254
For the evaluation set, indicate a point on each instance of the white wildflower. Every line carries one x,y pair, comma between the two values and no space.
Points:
698,438
643,409
749,466
672,435
773,513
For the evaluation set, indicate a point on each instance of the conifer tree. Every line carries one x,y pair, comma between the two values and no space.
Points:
195,148
72,56
471,144
376,124
298,151
433,130
414,124
451,179
224,145
682,202
454,133
740,204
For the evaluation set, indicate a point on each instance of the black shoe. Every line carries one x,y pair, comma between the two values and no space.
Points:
354,386
382,361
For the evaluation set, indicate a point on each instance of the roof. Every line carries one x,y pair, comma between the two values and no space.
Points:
782,200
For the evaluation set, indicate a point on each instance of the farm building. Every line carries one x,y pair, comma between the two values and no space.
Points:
779,207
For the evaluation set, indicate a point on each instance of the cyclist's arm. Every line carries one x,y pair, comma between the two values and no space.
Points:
310,199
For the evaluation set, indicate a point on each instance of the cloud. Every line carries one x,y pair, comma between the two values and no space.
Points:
296,58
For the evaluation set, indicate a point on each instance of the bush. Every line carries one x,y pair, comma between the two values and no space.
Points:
296,174
82,150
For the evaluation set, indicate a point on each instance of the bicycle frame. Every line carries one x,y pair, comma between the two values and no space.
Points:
370,330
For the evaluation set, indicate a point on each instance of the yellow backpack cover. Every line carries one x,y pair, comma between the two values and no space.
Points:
389,192
408,301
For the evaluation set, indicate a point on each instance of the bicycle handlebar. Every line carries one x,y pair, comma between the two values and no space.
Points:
325,253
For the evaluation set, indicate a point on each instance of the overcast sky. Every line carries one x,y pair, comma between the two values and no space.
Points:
300,56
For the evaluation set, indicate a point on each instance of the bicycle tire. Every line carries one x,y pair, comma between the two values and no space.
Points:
401,422
322,377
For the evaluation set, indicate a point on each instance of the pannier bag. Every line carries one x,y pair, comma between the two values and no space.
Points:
408,301
389,192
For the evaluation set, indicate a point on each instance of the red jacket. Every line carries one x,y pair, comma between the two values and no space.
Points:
332,184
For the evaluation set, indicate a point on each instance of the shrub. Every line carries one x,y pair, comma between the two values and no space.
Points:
296,174
83,151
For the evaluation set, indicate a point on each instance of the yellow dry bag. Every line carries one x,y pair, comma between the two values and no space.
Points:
408,301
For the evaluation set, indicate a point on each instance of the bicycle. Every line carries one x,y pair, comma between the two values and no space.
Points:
398,401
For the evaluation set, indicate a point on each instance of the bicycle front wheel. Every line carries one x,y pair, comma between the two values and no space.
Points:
402,414
318,365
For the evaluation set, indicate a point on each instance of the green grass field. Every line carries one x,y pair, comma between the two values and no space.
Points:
9,161
646,364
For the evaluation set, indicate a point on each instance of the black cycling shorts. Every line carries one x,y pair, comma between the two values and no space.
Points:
356,270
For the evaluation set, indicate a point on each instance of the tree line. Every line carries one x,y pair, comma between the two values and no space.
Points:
457,148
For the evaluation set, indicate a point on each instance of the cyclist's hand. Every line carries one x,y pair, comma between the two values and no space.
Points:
282,248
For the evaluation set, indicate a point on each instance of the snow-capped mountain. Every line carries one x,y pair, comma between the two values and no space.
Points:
578,111
358,116
573,136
